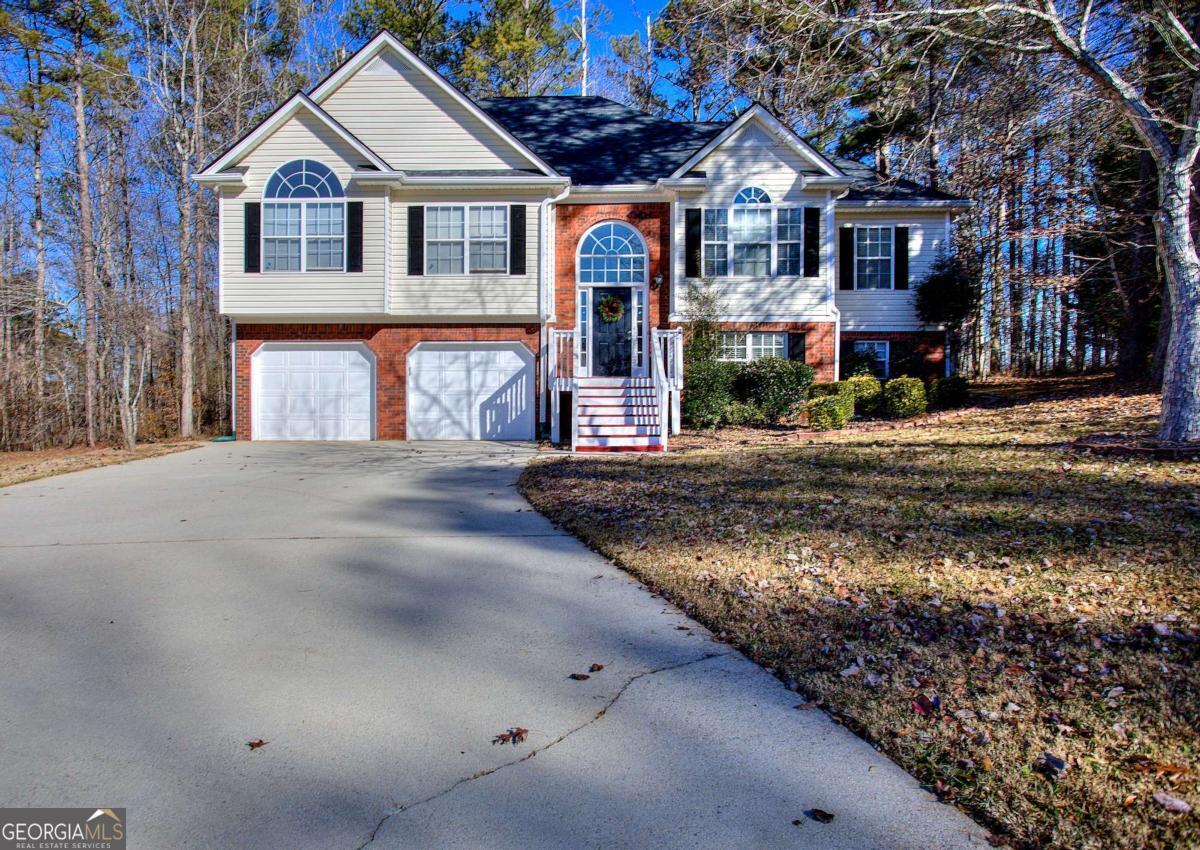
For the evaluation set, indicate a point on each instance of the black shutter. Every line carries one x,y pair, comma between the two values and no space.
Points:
516,239
812,241
846,258
691,243
796,344
416,240
252,233
354,236
900,360
901,257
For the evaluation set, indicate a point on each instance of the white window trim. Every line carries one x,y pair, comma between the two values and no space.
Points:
729,242
887,352
750,345
891,260
466,208
303,237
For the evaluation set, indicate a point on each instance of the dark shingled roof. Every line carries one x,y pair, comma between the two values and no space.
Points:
597,141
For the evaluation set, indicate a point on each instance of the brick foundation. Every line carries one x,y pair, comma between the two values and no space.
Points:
819,347
928,346
390,344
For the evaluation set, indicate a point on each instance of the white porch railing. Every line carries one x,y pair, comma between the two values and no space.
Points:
562,360
668,349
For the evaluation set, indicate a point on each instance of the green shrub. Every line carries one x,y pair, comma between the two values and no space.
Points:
831,412
856,362
948,392
707,392
867,392
741,413
904,397
825,388
775,386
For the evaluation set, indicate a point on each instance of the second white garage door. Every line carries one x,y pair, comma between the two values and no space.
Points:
469,391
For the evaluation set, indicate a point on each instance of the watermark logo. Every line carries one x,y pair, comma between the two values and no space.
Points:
62,829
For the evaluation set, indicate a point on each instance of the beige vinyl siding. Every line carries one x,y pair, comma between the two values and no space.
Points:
892,310
490,296
755,157
295,293
406,119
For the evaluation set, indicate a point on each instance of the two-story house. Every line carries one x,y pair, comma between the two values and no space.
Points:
401,262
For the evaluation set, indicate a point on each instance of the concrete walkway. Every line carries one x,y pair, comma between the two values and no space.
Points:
378,613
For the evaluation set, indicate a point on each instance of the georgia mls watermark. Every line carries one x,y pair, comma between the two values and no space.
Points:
62,829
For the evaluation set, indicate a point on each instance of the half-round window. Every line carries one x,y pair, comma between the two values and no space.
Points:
304,178
752,195
612,252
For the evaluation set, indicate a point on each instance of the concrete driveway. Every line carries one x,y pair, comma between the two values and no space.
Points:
378,613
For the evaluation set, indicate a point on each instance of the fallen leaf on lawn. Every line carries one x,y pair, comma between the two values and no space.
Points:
1172,804
595,668
819,815
256,743
514,736
925,706
579,677
1145,764
1051,766
986,763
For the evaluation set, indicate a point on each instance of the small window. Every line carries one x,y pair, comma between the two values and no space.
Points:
304,229
716,243
752,195
873,258
877,350
736,345
789,237
466,239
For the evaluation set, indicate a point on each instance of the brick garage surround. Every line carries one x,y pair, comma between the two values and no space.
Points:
390,344
930,345
819,338
652,220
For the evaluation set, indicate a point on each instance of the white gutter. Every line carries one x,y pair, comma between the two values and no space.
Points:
545,298
400,178
907,205
225,178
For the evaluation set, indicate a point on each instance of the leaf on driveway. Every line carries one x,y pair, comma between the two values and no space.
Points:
595,668
257,743
819,815
515,735
579,677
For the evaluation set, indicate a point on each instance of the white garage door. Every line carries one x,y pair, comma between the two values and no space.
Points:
470,391
319,392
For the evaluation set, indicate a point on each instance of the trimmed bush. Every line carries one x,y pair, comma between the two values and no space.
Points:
707,392
867,392
831,412
856,362
825,388
741,413
948,392
904,397
775,386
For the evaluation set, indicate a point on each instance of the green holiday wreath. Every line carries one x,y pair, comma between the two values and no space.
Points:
611,308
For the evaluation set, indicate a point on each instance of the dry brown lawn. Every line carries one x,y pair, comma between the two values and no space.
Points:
16,467
1013,621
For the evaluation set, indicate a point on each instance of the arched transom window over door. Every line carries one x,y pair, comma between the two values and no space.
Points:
304,219
612,253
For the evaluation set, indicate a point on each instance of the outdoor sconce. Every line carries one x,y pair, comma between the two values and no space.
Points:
656,283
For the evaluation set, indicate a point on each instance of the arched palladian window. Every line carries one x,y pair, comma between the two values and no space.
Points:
612,252
304,219
741,240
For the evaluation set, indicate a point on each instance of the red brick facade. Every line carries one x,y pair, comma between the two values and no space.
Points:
390,344
929,346
819,345
652,221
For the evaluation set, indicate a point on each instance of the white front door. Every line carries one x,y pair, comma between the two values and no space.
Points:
470,391
312,392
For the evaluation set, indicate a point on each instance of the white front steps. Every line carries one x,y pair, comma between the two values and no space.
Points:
617,414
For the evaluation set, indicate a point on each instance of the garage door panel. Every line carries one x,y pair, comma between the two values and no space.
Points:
313,393
470,392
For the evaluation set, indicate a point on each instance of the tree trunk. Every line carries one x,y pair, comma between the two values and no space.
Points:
1177,247
87,277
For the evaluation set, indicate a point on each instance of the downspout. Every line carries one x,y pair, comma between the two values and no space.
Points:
233,380
546,251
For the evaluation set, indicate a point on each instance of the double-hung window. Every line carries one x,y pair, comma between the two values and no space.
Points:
877,350
873,257
736,345
752,238
468,239
304,219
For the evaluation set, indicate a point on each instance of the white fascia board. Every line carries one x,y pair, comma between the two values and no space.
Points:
785,134
228,178
905,206
293,105
399,179
385,40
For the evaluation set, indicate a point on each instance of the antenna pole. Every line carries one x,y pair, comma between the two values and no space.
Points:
584,44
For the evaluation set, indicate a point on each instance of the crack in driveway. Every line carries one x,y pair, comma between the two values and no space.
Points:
489,771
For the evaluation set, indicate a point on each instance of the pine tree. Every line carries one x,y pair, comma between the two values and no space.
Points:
518,48
423,26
